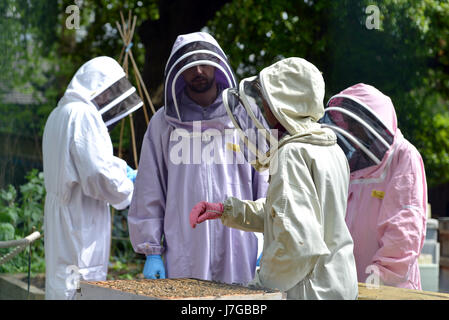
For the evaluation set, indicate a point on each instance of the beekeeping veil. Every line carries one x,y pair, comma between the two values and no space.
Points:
292,92
361,133
246,106
188,51
103,83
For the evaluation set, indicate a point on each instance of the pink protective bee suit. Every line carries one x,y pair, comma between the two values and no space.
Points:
387,197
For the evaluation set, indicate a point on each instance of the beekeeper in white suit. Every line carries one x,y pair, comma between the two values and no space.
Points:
308,250
82,176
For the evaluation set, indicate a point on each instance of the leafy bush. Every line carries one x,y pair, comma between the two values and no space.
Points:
19,214
23,210
124,262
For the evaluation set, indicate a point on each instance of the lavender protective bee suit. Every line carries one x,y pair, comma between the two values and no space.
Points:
191,153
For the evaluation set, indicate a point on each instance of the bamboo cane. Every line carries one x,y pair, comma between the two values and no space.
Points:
126,33
122,127
133,140
138,82
136,70
141,80
147,120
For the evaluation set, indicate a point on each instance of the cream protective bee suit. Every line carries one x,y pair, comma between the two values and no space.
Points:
308,250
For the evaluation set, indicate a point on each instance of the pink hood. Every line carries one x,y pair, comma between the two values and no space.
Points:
377,101
384,109
386,211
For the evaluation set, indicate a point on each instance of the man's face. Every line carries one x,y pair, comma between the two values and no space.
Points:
269,116
199,78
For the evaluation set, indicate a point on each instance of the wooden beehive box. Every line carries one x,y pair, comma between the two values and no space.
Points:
170,289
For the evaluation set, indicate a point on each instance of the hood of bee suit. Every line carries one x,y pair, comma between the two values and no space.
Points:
102,83
189,50
377,101
294,89
366,125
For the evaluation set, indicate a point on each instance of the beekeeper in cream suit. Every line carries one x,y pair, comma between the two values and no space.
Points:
82,177
308,250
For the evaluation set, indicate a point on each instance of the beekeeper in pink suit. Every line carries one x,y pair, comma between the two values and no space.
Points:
387,197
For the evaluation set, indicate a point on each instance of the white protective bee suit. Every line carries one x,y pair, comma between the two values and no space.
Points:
308,250
82,177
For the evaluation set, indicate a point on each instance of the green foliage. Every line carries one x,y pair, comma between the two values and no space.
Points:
22,211
27,41
98,34
6,231
39,55
125,263
425,118
407,58
255,34
19,214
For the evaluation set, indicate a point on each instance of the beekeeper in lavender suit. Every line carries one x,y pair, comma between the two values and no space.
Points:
191,152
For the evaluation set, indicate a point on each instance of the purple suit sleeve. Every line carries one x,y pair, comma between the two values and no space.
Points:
147,209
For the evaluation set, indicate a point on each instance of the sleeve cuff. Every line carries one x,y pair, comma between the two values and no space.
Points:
149,249
227,210
125,203
227,206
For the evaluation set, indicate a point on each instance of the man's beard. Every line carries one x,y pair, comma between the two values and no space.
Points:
202,86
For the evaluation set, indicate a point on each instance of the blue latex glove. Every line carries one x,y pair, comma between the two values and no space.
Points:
131,173
154,267
258,260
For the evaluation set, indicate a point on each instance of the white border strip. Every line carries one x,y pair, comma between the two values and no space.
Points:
122,115
116,101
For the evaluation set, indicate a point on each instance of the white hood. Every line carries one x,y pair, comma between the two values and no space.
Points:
103,77
93,77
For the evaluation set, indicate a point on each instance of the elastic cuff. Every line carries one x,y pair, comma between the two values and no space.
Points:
148,249
125,203
227,206
227,210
